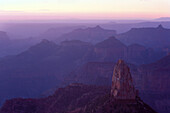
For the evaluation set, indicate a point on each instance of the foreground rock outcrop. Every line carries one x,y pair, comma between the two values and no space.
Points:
123,98
122,85
67,99
152,80
110,105
79,98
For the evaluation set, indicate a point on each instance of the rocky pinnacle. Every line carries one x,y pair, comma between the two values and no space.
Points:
122,85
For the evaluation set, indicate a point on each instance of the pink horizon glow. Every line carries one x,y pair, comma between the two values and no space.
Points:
59,16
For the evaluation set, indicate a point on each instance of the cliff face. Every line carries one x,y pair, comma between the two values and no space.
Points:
122,85
156,75
140,54
111,50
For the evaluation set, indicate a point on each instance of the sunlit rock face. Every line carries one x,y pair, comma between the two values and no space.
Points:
122,85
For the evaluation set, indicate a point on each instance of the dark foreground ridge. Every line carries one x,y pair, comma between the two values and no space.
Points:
79,98
123,98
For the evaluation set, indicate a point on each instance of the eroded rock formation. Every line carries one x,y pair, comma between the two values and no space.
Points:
122,84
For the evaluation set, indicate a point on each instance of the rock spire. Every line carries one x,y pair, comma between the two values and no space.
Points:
122,85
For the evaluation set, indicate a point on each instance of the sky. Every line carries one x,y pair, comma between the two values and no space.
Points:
83,9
